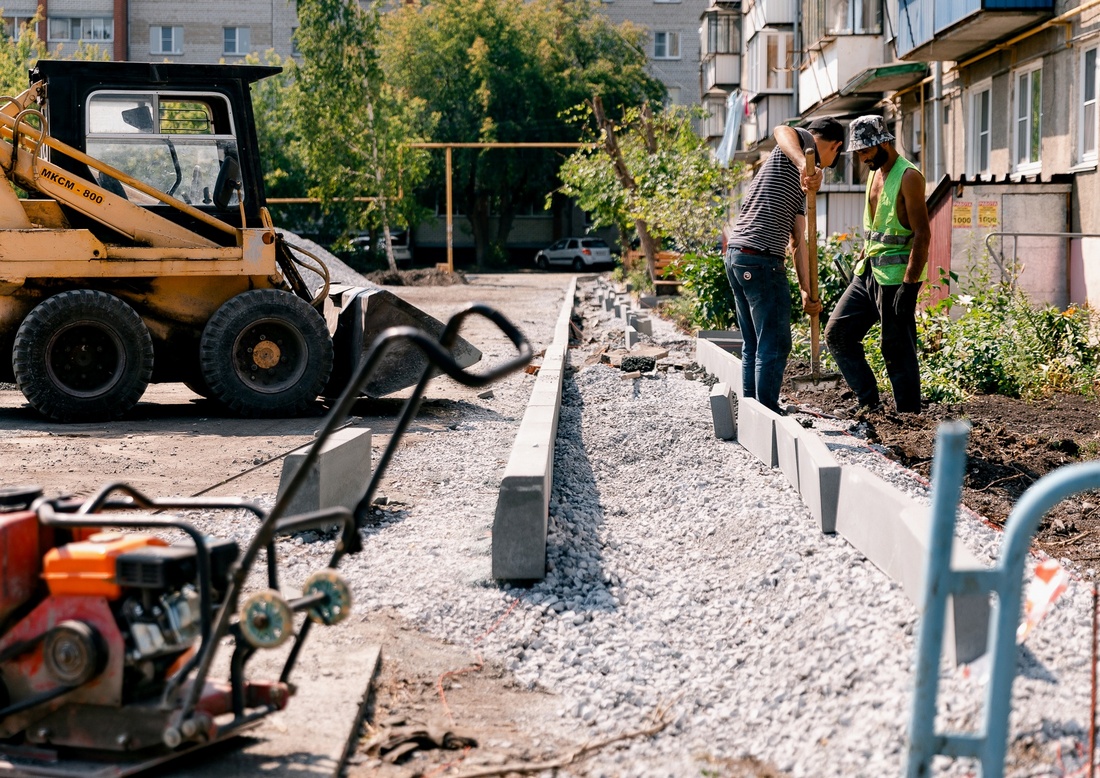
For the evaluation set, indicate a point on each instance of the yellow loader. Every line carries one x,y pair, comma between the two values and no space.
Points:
144,252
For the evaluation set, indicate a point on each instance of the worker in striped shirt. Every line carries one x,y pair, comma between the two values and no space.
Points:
771,223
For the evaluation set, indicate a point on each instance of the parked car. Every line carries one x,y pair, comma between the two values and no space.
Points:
578,253
402,249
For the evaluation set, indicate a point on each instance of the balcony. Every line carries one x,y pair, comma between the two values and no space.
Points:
721,72
941,30
830,67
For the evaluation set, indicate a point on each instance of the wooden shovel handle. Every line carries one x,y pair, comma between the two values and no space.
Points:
811,253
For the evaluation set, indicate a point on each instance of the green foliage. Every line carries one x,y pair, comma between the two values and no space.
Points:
350,123
499,71
706,291
680,188
994,341
18,57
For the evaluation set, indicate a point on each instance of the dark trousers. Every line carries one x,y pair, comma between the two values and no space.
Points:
863,303
759,283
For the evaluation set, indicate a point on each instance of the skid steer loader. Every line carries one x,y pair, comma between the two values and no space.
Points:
145,252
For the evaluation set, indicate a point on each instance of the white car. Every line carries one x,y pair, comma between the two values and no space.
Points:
578,253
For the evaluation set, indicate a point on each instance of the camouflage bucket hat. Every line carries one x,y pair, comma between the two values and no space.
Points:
868,131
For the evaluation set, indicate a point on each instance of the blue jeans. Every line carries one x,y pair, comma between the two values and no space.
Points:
759,283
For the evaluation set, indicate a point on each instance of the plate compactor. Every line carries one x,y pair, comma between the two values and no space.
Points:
112,611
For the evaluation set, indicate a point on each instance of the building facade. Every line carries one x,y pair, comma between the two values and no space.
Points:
161,30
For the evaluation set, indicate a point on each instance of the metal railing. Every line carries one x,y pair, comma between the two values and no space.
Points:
999,257
1005,579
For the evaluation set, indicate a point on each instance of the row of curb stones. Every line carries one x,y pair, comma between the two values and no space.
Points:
888,527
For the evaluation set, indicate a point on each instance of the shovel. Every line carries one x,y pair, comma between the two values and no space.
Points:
817,380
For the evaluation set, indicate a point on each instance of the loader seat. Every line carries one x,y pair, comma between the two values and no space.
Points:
229,178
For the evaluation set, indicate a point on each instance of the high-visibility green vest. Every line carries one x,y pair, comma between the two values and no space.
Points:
886,242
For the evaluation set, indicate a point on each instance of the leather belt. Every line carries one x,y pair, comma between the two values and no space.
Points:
749,250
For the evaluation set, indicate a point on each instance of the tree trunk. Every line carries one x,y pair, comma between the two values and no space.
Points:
379,181
611,146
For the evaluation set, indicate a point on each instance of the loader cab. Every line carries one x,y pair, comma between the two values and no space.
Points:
187,131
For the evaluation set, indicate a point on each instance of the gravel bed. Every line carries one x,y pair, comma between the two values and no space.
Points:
687,577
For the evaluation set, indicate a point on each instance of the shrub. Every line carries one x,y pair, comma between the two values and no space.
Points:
707,297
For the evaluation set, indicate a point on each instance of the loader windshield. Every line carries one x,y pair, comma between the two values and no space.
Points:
176,143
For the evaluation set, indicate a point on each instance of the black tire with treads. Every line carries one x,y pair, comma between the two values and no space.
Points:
82,355
266,353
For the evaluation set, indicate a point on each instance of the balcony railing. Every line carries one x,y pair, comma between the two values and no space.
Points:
951,29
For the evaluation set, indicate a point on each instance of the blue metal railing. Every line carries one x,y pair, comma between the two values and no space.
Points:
1005,580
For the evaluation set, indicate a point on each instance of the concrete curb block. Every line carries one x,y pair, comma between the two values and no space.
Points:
878,520
788,434
756,430
892,531
720,364
723,412
523,503
818,480
338,475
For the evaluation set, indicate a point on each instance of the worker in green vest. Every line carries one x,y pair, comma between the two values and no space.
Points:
887,277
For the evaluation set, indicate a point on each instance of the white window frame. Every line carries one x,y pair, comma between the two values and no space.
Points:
1088,104
240,48
1022,117
105,25
663,39
977,137
758,67
13,25
156,39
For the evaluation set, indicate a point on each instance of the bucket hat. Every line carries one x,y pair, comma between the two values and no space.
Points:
868,131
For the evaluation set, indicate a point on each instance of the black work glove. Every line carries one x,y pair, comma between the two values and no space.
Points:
905,301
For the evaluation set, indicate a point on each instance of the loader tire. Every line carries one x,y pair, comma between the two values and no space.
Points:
266,353
81,356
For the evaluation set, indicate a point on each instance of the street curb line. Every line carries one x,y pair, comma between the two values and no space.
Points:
523,503
889,528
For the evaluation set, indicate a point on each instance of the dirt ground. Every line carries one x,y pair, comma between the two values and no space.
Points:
1013,443
174,443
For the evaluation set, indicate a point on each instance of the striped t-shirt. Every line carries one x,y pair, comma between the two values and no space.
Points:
775,197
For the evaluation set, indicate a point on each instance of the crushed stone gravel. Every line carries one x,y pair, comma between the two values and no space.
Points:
686,577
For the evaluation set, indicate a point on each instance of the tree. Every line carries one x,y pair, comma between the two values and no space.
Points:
17,57
653,173
350,123
502,71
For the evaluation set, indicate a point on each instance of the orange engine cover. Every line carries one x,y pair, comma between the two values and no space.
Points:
20,559
88,567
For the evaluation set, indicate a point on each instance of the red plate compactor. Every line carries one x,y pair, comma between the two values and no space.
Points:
109,631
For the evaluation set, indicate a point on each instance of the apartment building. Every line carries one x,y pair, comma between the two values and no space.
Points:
995,100
673,44
162,30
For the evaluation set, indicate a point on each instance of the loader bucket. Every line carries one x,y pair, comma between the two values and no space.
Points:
360,314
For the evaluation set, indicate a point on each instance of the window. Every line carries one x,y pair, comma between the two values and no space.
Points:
1087,117
769,62
13,26
165,40
294,42
174,142
666,45
1027,117
823,18
918,130
673,96
93,29
723,34
979,123
236,40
